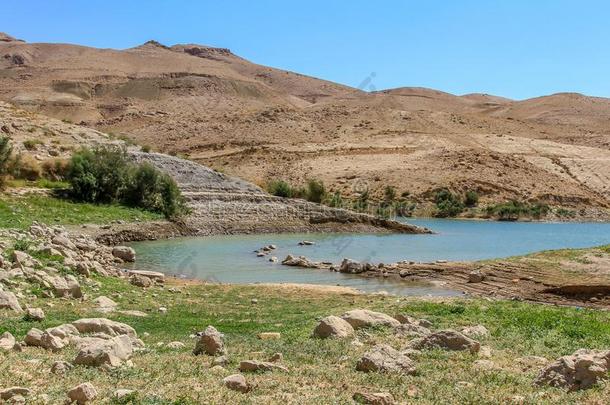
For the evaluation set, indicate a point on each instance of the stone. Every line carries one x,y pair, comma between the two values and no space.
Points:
51,342
269,335
409,330
155,276
9,301
175,345
253,301
124,253
475,276
63,331
276,358
363,318
333,327
105,304
385,358
105,352
106,326
255,365
477,331
61,367
34,314
33,337
140,281
378,398
220,361
7,342
446,339
122,393
484,365
300,261
82,394
63,241
350,266
11,393
306,243
406,319
211,342
580,370
237,382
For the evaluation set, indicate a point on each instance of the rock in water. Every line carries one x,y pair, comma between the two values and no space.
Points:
385,358
363,318
82,394
236,382
124,253
211,342
333,327
578,371
353,267
446,339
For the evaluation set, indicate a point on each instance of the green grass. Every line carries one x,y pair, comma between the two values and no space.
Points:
20,212
40,183
321,371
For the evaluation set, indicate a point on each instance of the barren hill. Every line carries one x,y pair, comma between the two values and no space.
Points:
261,123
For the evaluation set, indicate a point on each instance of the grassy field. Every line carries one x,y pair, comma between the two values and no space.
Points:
20,212
321,371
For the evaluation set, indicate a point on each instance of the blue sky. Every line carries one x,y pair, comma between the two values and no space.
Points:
511,48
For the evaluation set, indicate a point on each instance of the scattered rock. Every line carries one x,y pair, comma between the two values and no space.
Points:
140,281
255,365
385,358
477,331
105,304
211,342
300,261
530,362
105,326
253,301
446,339
82,394
409,330
269,335
105,352
34,314
362,318
124,253
175,345
276,358
9,301
61,367
237,382
379,398
578,371
484,365
220,361
63,241
10,393
122,393
475,276
155,276
333,327
7,342
306,243
353,267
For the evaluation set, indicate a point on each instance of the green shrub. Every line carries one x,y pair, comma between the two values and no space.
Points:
336,201
389,194
471,199
104,175
315,191
447,204
280,188
5,158
513,210
362,201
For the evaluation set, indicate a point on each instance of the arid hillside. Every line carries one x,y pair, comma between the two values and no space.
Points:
261,124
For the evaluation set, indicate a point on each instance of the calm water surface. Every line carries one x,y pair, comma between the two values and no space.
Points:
230,259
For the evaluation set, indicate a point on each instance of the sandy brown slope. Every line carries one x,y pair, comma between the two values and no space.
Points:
262,123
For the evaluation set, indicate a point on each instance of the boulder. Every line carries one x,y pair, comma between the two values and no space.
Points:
446,339
409,330
34,314
363,318
378,398
105,352
300,261
124,253
477,331
64,331
211,342
82,394
155,276
255,365
33,337
580,370
105,304
475,276
63,241
333,327
140,281
122,393
237,382
10,302
61,367
106,326
8,393
353,267
7,342
385,358
220,361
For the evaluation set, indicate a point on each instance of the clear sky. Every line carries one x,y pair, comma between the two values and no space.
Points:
511,48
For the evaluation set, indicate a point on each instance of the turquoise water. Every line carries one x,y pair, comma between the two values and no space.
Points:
230,259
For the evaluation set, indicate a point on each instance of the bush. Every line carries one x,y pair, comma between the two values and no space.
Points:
389,194
315,191
447,204
280,188
362,201
471,199
104,175
336,201
5,158
513,210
